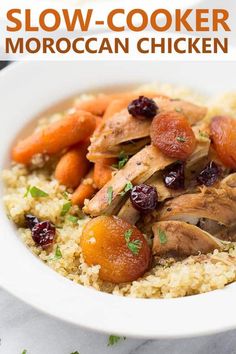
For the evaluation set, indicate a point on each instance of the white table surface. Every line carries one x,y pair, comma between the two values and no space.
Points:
22,327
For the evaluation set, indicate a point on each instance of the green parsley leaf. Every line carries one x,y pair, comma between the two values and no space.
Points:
162,236
66,207
65,195
127,188
27,192
24,351
73,219
203,135
114,339
128,234
75,352
58,254
123,158
179,110
134,246
109,194
35,192
181,139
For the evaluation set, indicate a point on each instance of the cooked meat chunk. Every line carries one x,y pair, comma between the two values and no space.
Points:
180,239
193,112
129,213
109,138
210,204
137,170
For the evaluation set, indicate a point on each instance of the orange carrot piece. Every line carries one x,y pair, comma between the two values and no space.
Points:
73,166
84,191
103,171
75,128
96,105
116,106
99,103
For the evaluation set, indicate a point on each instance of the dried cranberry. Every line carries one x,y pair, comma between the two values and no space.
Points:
31,220
43,234
173,176
143,107
144,198
210,174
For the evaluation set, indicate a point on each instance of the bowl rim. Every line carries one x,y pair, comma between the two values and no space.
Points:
182,317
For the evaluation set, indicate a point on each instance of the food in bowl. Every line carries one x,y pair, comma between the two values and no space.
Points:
131,193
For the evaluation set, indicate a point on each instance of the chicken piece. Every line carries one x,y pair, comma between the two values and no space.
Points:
219,231
138,169
210,204
193,164
108,140
177,238
193,112
229,182
129,213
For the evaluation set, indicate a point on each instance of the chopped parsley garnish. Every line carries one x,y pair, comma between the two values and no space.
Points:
57,255
123,158
73,219
114,340
162,236
24,351
75,352
35,192
128,234
109,194
177,109
203,135
127,188
65,195
66,207
135,245
181,139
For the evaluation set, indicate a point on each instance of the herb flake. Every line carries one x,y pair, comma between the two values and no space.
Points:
178,110
109,194
203,135
128,234
127,188
114,340
134,246
58,254
24,351
122,160
162,236
65,208
75,352
35,192
181,139
74,219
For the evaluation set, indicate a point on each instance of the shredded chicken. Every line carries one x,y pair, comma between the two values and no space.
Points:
177,238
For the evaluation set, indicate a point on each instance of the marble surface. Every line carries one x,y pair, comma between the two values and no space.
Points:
22,327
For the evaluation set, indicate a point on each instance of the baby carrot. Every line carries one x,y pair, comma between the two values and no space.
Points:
103,171
84,191
115,107
73,166
75,128
100,103
96,105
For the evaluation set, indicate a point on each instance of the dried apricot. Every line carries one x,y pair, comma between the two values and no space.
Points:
173,135
223,135
119,248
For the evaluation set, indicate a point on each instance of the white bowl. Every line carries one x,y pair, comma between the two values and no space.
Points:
26,90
